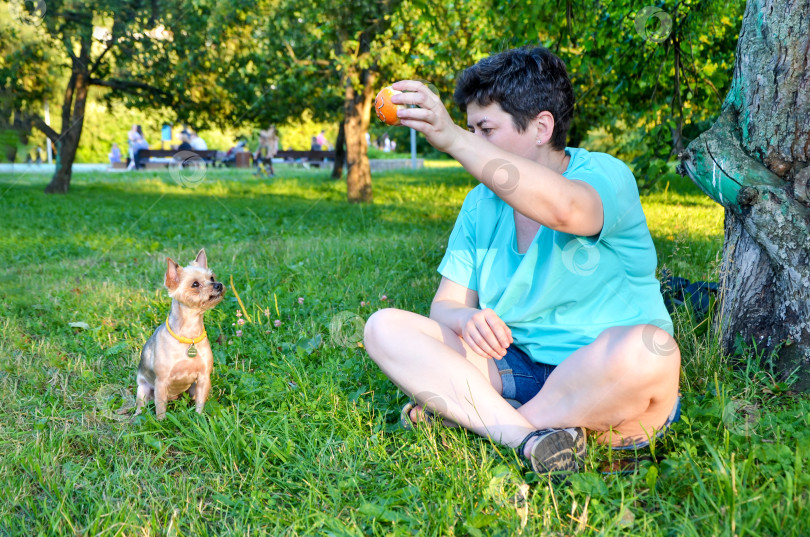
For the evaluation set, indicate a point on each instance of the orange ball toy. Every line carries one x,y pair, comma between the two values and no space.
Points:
386,110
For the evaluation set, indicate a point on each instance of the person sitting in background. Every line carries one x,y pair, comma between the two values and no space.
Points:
115,154
230,155
165,134
197,143
322,142
184,143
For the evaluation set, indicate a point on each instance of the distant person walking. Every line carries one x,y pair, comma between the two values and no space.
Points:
268,147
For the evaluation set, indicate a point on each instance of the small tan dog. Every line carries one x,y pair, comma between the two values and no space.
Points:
178,358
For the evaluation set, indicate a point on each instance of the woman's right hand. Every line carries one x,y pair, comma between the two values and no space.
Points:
486,333
431,118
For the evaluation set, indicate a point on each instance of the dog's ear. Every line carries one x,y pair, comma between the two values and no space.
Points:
201,260
172,274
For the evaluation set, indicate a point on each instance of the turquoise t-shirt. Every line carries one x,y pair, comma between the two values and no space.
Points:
565,289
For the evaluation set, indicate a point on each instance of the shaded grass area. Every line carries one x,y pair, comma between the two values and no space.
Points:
301,435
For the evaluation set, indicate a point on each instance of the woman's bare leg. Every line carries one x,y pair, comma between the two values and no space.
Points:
625,381
432,364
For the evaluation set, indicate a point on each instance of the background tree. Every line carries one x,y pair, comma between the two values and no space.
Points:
754,161
73,25
647,79
332,57
147,53
26,76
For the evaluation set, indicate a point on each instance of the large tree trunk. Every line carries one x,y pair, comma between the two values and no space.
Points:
340,152
754,161
357,112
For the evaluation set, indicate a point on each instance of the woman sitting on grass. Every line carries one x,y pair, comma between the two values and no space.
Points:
549,318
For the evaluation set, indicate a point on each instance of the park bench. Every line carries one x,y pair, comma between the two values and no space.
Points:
307,158
163,158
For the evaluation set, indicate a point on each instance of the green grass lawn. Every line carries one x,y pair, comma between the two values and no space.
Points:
301,436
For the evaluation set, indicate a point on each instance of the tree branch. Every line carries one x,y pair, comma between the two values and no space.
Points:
39,123
128,86
69,47
116,30
96,63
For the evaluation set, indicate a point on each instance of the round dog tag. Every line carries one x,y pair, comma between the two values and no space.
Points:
192,351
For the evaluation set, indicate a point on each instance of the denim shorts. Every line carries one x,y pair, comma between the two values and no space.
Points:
522,379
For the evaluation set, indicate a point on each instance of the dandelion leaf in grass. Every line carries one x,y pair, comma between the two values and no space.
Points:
153,442
479,520
381,512
307,346
589,484
652,477
213,408
116,349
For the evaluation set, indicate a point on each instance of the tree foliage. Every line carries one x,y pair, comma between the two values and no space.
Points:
146,54
647,80
650,78
27,72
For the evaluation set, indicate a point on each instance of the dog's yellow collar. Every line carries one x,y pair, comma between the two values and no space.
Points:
181,339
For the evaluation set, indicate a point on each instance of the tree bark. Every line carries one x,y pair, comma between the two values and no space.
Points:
73,107
357,112
340,152
754,161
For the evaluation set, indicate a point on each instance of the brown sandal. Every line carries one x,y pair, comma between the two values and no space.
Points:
405,416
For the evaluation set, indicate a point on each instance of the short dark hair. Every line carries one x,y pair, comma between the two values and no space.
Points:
524,82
